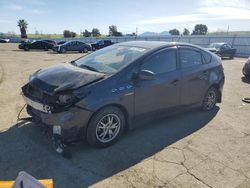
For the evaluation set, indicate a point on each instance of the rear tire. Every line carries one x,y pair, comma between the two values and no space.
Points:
26,48
106,127
46,48
210,99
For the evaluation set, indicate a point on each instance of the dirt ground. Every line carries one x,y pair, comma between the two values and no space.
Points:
192,149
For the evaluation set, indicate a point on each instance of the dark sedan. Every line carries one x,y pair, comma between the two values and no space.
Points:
222,50
246,69
50,41
104,93
72,46
4,40
39,45
101,44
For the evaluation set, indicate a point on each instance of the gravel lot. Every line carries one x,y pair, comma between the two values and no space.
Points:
192,149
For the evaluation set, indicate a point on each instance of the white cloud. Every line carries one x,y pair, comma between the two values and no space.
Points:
15,7
5,21
37,12
172,19
226,3
208,10
224,13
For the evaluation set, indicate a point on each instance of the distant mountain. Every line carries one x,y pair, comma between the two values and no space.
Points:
147,34
164,33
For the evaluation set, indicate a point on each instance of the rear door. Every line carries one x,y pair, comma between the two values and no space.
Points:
71,46
81,46
35,45
194,75
163,92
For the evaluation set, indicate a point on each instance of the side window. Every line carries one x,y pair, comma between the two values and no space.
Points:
206,57
162,62
190,58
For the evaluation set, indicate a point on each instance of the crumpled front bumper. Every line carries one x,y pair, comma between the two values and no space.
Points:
73,122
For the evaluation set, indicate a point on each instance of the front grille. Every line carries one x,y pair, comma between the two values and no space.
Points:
38,95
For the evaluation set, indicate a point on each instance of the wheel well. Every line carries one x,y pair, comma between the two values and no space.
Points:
122,108
217,86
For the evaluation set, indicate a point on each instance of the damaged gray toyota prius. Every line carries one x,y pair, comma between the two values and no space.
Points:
100,95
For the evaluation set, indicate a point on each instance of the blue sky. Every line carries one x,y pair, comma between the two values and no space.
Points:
54,16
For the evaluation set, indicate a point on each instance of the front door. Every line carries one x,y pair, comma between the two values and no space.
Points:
163,91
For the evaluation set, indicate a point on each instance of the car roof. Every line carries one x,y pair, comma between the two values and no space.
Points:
155,44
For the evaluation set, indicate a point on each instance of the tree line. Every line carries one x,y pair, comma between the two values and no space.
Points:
199,29
95,32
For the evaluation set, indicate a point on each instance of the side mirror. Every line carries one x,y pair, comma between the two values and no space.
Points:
145,75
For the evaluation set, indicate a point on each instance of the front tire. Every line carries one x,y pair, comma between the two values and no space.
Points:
26,48
210,99
106,127
63,50
85,50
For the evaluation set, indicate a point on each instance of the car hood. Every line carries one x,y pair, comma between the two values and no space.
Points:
65,77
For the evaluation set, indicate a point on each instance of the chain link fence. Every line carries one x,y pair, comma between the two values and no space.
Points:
241,43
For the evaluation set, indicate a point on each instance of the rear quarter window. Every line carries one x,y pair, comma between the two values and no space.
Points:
207,58
190,58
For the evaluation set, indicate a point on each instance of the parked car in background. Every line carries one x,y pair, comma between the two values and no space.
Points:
72,46
39,45
4,40
50,41
222,50
100,95
101,44
246,69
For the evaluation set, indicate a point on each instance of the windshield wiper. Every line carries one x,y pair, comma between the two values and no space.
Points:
89,68
84,66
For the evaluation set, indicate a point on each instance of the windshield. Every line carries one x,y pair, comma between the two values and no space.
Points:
215,45
111,59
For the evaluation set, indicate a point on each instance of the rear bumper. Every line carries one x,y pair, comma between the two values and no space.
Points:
73,122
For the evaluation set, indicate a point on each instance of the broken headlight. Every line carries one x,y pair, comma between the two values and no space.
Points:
67,99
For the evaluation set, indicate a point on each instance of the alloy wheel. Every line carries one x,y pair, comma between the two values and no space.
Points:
108,128
210,100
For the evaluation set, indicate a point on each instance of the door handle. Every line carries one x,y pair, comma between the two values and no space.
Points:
175,82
